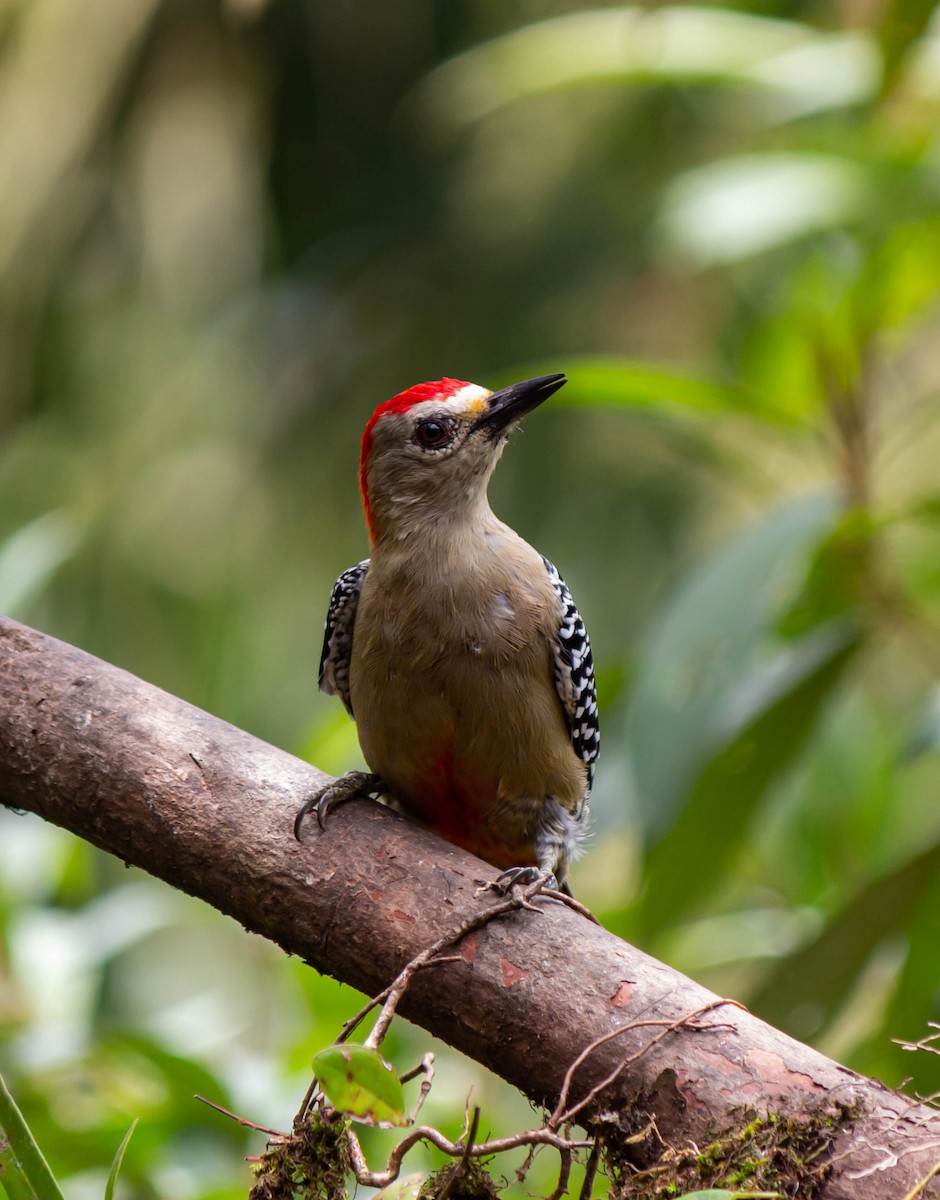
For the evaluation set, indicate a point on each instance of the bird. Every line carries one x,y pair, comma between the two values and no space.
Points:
457,648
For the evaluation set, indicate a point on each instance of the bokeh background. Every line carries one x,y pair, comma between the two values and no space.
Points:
228,230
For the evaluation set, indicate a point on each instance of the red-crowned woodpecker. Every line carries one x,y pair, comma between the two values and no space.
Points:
457,647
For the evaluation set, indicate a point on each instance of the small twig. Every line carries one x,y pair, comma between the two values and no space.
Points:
919,1187
420,1069
471,1134
578,907
564,1173
426,1068
466,1113
397,990
354,1022
590,1171
575,905
425,1133
305,1103
226,1112
461,1168
523,1170
391,996
561,1115
925,1043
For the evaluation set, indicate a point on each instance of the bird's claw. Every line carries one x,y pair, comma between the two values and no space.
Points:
351,785
521,877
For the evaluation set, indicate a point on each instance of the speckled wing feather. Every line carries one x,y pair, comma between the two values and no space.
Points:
574,676
338,633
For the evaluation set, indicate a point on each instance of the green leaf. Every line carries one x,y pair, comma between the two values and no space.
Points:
633,45
14,1184
822,974
606,381
925,738
406,1188
836,576
118,1160
925,509
910,1006
782,709
900,280
361,1084
808,343
31,555
710,637
626,383
24,1172
733,208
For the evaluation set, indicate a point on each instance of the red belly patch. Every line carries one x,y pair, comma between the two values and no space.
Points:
454,806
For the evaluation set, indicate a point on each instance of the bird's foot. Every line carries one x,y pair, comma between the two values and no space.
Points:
521,877
348,787
550,888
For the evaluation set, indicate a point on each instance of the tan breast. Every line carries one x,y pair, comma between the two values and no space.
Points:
453,689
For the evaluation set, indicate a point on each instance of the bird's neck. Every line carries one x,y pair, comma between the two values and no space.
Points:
425,532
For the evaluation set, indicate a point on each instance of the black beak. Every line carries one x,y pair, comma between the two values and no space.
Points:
505,407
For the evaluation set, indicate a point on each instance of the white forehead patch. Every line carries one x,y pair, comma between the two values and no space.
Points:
469,393
469,400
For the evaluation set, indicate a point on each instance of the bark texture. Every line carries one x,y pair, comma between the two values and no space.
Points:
208,808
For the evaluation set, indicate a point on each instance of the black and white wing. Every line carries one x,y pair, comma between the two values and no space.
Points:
574,676
338,633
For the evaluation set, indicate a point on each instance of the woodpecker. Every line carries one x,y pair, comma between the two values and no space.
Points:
457,647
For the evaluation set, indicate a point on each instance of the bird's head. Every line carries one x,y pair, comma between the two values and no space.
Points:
428,453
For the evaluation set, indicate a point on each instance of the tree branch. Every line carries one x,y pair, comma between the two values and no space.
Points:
209,809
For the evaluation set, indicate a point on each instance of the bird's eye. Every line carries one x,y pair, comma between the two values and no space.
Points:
434,433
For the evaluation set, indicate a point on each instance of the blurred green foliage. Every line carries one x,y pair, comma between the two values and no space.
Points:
229,229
